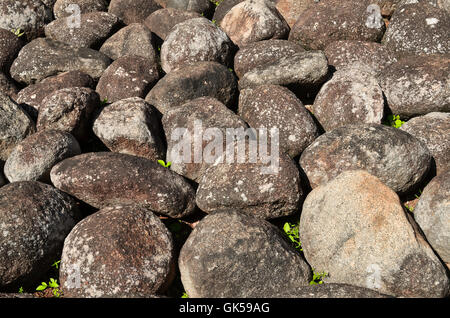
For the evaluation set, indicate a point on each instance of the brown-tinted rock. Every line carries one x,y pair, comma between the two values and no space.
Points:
103,179
70,110
63,8
131,126
7,86
134,39
198,80
10,45
117,250
252,21
330,290
200,6
133,11
128,76
162,21
334,20
262,53
291,10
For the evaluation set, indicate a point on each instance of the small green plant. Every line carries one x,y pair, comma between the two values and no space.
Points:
410,209
56,264
216,2
394,121
214,22
21,290
291,231
164,164
18,32
53,283
318,278
104,102
185,295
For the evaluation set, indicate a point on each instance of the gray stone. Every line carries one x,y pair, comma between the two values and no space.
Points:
201,79
94,29
233,255
400,160
70,110
134,39
433,130
418,85
355,229
103,179
197,116
276,106
62,8
34,219
331,291
33,158
117,250
352,96
10,45
43,57
291,10
192,41
252,21
199,6
133,11
432,214
7,86
15,125
131,126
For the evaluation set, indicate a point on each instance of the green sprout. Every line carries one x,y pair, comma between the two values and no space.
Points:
164,164
394,121
18,32
56,264
185,295
291,231
21,290
53,283
318,278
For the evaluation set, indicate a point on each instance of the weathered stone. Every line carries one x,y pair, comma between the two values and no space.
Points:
33,95
201,117
65,8
70,110
133,11
400,160
334,20
234,255
192,41
117,250
355,229
302,69
418,28
15,125
105,178
162,21
418,85
35,219
93,30
131,126
128,76
291,10
352,96
201,79
261,53
33,158
10,45
331,291
134,39
276,106
252,21
30,16
43,57
433,129
199,6
223,8
432,214
7,86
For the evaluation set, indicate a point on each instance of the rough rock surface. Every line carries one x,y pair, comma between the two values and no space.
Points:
367,240
33,95
10,45
417,85
33,158
93,30
232,255
206,120
418,28
34,219
432,214
43,57
334,20
400,160
65,8
69,109
201,79
301,69
162,21
117,250
252,21
131,126
352,96
261,53
433,130
291,10
102,179
7,86
133,11
192,41
134,39
199,6
128,76
331,290
275,106
15,125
